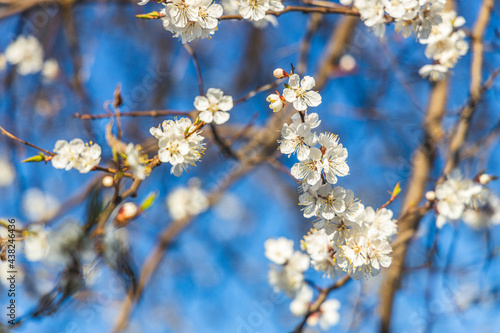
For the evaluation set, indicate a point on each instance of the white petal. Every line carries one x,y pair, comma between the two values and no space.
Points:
226,103
221,117
201,103
206,116
308,83
294,81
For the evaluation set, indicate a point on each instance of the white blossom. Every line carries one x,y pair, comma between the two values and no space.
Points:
300,304
187,202
290,277
276,103
7,174
136,161
191,19
76,154
38,205
319,245
454,195
26,53
434,72
50,69
36,246
214,106
178,144
331,201
279,250
334,158
381,225
309,169
299,92
327,316
254,9
298,139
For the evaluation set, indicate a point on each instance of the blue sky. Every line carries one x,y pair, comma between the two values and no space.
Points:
214,277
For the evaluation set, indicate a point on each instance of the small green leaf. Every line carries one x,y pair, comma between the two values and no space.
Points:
148,202
37,158
149,16
397,190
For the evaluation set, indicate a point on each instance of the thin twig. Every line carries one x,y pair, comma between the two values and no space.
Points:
13,137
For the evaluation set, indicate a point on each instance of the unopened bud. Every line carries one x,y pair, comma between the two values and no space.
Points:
126,213
347,63
108,181
280,73
431,195
485,178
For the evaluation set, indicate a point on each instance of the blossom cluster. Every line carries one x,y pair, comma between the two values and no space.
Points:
180,144
459,198
347,237
76,154
234,7
427,20
190,19
255,10
26,53
445,45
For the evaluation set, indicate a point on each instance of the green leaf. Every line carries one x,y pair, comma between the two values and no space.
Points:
150,16
148,202
37,158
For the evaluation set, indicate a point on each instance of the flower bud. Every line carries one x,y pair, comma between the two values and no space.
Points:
108,181
126,213
431,196
280,73
347,63
485,178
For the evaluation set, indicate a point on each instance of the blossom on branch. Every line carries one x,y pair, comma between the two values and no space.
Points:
179,144
214,106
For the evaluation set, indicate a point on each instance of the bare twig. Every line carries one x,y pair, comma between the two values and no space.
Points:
13,137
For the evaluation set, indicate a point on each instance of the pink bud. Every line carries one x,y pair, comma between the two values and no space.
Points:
280,73
127,212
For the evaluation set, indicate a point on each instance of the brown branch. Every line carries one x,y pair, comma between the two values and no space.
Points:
302,9
312,26
339,40
167,236
320,300
152,113
422,165
462,128
423,161
258,90
13,137
197,68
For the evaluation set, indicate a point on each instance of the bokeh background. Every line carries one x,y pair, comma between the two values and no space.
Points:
214,276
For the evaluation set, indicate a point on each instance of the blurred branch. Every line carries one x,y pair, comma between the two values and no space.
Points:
312,26
421,167
13,137
166,238
152,113
476,91
320,300
322,10
339,40
197,68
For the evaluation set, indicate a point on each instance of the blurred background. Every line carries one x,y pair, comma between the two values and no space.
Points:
213,277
